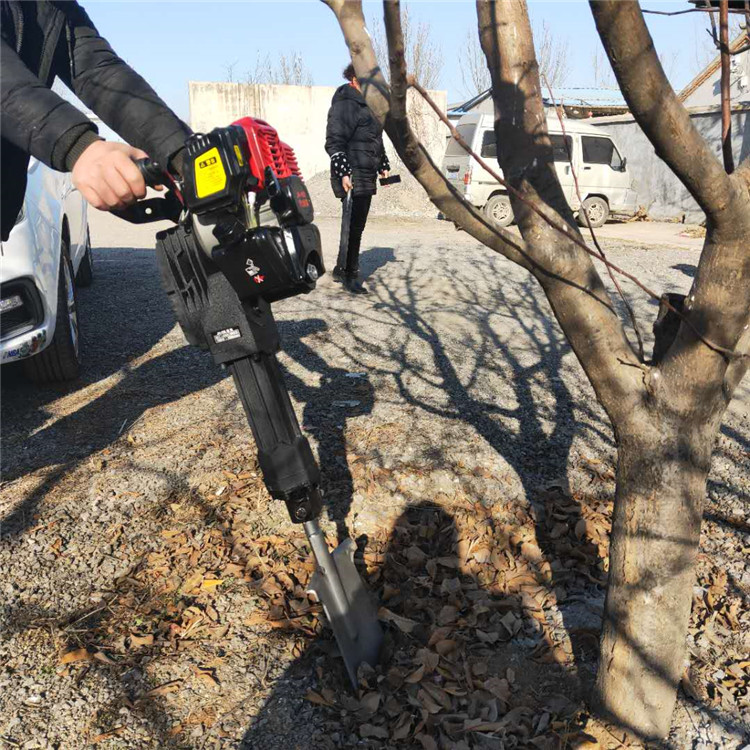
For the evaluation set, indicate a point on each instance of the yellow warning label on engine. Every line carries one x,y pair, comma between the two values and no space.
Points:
210,176
238,154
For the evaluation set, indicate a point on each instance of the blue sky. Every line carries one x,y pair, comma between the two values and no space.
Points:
170,43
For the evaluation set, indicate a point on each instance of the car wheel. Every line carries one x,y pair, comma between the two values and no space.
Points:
61,359
86,270
597,210
499,210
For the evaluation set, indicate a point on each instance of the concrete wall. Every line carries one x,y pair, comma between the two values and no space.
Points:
659,190
299,114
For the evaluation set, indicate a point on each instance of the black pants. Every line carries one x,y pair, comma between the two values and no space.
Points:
360,211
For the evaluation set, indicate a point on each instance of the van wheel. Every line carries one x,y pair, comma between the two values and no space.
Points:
597,210
85,274
499,210
61,359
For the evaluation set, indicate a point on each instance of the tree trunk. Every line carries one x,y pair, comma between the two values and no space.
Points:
661,484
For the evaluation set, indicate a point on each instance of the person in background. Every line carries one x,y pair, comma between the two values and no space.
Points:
354,141
44,40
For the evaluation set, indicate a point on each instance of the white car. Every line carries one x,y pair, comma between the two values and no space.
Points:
47,254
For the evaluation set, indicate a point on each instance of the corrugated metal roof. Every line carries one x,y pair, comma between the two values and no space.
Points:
586,96
580,96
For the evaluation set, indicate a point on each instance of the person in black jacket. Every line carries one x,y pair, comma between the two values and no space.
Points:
41,41
354,141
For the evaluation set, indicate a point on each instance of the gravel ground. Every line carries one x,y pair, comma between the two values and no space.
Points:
451,362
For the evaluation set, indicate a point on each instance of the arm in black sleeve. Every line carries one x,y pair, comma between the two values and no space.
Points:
113,90
35,118
339,131
384,165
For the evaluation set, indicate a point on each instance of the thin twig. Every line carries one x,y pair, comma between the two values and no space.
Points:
689,10
713,24
726,102
631,313
677,12
563,229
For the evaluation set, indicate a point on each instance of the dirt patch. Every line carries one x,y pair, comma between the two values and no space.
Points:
153,595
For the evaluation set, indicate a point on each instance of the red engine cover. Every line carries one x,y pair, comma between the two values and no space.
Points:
266,150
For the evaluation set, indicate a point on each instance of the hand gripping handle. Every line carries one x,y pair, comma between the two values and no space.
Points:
152,172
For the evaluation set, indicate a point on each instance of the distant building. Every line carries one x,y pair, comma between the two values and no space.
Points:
705,89
577,103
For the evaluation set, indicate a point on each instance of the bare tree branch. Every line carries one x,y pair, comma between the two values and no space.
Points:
552,54
475,76
288,70
726,101
655,105
424,55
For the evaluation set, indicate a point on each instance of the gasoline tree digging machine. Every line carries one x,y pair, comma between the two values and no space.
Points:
244,239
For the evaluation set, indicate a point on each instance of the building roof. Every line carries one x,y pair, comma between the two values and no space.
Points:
570,96
712,67
465,107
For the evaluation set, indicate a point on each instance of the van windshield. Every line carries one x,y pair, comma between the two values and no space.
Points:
466,131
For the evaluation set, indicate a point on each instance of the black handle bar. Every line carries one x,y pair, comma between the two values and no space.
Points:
153,173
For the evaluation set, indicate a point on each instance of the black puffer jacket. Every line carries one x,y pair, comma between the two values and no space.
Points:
354,141
42,40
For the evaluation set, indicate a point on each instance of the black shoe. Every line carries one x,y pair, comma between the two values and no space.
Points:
355,286
338,275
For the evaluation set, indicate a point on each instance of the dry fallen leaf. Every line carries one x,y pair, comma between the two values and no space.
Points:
107,735
71,657
428,702
445,646
208,678
415,676
137,641
401,728
402,623
439,634
370,730
166,688
447,615
317,699
368,705
192,582
427,742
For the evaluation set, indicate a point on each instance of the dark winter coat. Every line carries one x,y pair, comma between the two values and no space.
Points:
354,141
42,40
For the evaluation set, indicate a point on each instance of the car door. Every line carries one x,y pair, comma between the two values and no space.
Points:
565,149
483,183
602,170
457,163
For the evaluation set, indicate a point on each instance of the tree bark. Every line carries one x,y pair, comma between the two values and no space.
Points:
661,480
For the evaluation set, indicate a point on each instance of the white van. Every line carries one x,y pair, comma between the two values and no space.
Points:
605,183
